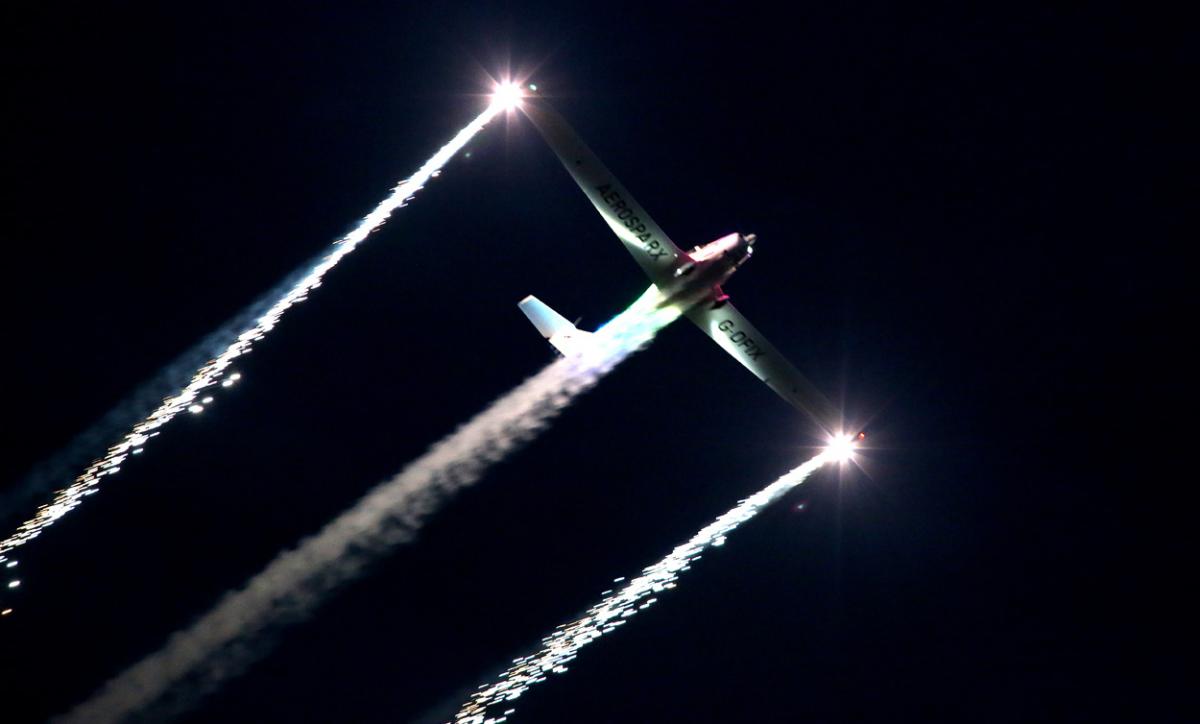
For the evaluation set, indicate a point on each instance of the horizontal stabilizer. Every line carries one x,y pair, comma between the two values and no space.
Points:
565,337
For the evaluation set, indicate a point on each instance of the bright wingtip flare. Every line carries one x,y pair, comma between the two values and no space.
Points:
840,448
507,95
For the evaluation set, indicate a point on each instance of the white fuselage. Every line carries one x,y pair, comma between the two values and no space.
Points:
705,269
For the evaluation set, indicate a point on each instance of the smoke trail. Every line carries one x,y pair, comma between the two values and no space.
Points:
64,464
561,647
211,372
236,632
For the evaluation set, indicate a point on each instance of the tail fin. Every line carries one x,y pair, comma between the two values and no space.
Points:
565,337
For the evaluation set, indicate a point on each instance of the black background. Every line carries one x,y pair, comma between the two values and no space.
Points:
965,224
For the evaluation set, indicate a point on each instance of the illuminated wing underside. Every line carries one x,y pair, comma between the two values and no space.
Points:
653,250
739,338
659,257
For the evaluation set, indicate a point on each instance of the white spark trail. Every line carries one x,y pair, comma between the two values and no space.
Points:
211,372
561,647
232,635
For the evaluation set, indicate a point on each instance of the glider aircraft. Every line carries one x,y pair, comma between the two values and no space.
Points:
690,279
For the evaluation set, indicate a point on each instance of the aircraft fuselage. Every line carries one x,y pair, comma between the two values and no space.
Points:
699,278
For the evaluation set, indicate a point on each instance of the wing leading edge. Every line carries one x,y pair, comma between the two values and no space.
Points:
651,248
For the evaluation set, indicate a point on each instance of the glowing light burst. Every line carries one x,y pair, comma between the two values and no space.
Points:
227,639
508,95
561,647
841,447
209,374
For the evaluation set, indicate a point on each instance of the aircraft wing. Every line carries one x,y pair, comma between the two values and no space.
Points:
653,250
738,337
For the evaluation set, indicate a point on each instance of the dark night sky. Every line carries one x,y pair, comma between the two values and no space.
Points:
965,224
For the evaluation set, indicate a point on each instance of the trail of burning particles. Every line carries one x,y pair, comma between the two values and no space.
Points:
492,703
238,630
212,372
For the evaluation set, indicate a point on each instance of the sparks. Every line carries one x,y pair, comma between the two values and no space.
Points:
616,608
213,372
223,642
